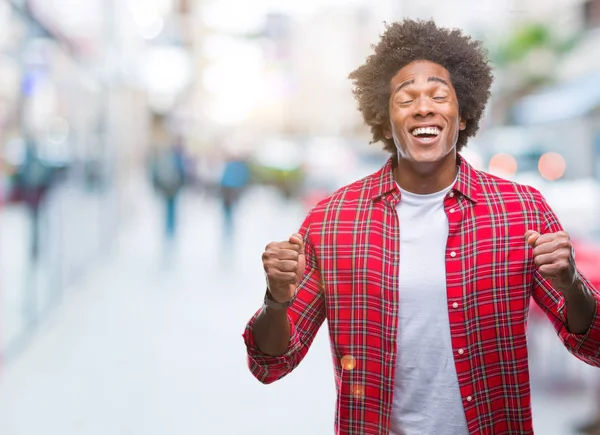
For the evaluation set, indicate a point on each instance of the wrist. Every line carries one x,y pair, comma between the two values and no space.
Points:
573,290
271,302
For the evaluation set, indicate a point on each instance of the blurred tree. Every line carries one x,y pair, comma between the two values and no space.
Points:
529,38
525,62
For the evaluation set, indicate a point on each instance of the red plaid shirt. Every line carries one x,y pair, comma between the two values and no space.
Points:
352,280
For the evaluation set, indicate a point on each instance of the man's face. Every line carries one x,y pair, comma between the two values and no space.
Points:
424,115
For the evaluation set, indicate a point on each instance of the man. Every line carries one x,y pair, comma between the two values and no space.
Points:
168,178
425,269
234,181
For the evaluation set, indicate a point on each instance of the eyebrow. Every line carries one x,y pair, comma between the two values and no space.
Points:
430,79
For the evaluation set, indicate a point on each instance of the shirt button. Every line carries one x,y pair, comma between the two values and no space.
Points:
451,194
469,398
453,254
461,351
455,305
452,210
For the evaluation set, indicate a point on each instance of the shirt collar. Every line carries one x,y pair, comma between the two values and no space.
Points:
467,182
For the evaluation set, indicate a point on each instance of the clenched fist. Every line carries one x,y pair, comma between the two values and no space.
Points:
554,257
284,264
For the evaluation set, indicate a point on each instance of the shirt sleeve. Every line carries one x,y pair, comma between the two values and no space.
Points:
585,346
306,315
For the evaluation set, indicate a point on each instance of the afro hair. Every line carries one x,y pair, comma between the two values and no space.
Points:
407,41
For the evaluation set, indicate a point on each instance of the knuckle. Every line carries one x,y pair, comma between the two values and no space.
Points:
267,259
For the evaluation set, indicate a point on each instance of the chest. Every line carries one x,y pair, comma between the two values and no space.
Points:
480,250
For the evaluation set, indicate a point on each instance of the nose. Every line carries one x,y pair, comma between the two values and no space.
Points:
423,108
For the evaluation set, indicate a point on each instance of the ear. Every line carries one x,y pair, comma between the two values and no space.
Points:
462,124
387,131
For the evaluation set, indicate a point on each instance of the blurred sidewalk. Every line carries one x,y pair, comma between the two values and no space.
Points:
151,345
74,227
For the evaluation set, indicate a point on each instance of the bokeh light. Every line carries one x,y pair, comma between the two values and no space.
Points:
552,166
348,362
358,391
503,165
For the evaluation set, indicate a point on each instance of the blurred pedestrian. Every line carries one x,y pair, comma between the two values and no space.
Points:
234,181
424,270
168,178
32,181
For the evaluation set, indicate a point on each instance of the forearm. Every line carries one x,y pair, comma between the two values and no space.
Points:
581,306
271,331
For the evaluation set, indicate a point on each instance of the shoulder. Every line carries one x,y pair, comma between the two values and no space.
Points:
352,196
494,188
346,203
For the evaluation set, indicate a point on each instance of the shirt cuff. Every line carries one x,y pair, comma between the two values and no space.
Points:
266,367
586,344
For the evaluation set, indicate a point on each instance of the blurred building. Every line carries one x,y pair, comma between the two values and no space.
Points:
79,82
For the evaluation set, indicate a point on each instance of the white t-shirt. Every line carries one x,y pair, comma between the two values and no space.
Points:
427,398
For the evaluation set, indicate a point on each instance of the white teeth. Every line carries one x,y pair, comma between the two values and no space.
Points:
426,130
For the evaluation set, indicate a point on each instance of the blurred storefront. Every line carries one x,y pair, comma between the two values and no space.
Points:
69,111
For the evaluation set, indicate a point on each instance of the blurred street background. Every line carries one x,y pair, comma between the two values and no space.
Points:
150,149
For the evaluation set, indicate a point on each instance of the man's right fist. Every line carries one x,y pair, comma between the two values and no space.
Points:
284,264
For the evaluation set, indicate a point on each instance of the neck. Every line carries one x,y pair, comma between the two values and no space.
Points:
426,178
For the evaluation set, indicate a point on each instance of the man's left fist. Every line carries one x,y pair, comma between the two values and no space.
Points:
554,257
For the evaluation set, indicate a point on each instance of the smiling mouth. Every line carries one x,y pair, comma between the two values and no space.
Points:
426,132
